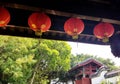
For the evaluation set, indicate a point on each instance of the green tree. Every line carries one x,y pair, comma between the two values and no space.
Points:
26,59
15,60
54,58
81,57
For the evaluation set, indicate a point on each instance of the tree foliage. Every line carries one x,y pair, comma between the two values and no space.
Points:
81,57
15,59
25,60
53,59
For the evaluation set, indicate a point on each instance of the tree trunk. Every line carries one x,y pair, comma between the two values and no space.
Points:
72,82
3,82
34,73
32,80
49,82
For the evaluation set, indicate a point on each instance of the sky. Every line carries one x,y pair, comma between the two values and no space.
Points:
103,51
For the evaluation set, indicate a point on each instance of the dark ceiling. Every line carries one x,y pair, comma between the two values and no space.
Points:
90,11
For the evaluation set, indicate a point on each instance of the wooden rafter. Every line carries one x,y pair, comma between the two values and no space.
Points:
59,13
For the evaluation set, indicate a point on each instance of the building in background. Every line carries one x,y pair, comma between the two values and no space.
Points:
84,70
92,71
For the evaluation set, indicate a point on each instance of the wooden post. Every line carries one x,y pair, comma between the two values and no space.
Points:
83,72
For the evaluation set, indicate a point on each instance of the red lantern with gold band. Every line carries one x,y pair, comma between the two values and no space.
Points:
39,22
73,27
103,31
4,17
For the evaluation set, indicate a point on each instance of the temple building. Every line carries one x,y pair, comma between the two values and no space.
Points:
84,70
91,71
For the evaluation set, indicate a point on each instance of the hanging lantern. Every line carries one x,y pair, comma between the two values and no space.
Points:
4,17
39,22
103,31
73,27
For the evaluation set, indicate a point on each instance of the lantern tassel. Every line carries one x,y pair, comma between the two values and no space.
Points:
38,33
105,39
75,37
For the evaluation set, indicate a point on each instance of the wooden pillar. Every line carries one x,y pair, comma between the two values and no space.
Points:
83,72
90,68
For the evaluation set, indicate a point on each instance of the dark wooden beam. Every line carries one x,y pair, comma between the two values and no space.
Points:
20,31
59,13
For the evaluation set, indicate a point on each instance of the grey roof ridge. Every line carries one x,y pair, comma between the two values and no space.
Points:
96,74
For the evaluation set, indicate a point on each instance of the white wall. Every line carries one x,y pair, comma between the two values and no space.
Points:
70,82
97,80
55,80
112,80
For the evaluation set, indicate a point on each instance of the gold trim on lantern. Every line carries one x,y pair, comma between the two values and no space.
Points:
42,26
75,37
2,22
34,26
38,33
105,39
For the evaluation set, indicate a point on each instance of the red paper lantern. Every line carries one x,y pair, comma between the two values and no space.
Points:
103,31
39,22
73,27
4,17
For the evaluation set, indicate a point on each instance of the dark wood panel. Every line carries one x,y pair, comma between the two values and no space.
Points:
90,11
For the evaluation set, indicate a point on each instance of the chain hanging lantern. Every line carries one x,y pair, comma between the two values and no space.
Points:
103,31
39,22
73,27
4,17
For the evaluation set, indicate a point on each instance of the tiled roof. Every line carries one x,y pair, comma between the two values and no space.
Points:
112,73
87,61
102,68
